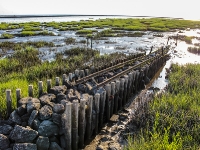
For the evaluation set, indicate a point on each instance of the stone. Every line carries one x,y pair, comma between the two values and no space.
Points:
58,89
33,115
47,98
25,117
23,135
54,146
5,129
24,146
4,142
56,118
43,143
22,110
36,124
23,101
71,97
64,102
14,117
68,84
60,97
82,88
54,139
63,141
58,108
33,104
45,112
48,128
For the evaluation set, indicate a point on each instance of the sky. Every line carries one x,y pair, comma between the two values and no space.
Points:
157,8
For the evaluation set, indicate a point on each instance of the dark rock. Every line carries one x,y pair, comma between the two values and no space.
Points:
22,110
25,117
68,84
23,135
71,97
63,141
54,146
60,97
56,118
24,124
100,79
36,124
63,102
33,104
48,128
4,142
14,117
33,115
82,88
54,139
58,89
59,108
47,98
5,129
43,143
45,112
24,146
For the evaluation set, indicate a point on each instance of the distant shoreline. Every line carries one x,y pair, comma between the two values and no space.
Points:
38,16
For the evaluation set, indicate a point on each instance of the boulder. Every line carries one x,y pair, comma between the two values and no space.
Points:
4,142
23,101
63,141
23,135
47,98
48,128
56,118
82,88
24,146
5,129
22,110
60,97
43,143
33,115
25,117
36,124
45,112
33,104
58,89
54,146
58,108
14,117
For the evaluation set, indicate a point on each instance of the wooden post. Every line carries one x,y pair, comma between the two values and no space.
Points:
112,97
64,77
108,103
102,107
57,81
18,96
40,88
130,76
125,89
48,85
81,123
82,73
70,77
76,74
91,42
96,108
117,85
121,91
30,90
8,102
75,125
86,72
67,125
89,117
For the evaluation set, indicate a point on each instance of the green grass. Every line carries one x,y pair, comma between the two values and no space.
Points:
172,120
7,36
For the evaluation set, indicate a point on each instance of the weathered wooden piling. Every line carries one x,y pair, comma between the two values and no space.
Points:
81,123
40,88
89,117
108,102
57,81
86,72
82,73
125,90
121,92
48,85
18,96
112,97
8,102
116,97
64,77
130,78
70,77
102,107
75,106
67,125
30,90
76,74
96,108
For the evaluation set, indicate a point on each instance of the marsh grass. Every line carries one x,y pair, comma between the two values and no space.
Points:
172,120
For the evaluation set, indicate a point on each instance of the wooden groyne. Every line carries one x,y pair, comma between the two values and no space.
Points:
71,113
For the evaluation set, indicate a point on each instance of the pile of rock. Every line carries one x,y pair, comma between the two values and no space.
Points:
37,122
